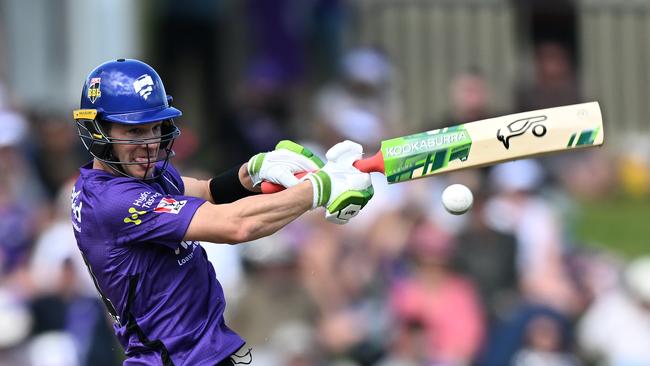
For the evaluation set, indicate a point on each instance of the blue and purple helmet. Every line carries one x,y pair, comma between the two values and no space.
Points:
127,92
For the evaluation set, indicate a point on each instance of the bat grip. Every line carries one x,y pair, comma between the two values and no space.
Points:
372,164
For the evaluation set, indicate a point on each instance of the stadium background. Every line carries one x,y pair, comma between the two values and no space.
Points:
542,257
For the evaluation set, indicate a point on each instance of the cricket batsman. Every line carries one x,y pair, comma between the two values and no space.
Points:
138,222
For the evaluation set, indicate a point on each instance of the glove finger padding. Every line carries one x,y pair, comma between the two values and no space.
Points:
339,187
344,153
283,177
278,166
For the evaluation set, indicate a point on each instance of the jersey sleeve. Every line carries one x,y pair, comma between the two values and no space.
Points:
136,213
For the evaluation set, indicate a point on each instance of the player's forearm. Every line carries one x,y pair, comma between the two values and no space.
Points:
251,217
265,214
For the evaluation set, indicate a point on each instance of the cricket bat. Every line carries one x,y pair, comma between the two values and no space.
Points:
482,143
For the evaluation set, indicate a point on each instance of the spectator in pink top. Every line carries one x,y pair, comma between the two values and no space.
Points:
444,302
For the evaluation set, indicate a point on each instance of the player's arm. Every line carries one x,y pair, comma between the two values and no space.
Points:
277,166
201,187
251,217
338,186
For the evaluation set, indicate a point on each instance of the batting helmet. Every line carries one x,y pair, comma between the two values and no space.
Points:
127,92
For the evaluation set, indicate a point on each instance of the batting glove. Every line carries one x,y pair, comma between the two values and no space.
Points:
278,166
339,187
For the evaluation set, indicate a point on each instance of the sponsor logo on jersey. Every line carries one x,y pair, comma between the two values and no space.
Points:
93,89
187,246
146,199
134,217
143,86
169,205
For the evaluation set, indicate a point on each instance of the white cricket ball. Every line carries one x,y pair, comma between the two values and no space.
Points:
457,199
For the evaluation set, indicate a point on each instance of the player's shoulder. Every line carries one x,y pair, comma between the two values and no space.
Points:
107,194
172,181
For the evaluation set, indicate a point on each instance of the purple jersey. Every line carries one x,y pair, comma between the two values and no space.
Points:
161,291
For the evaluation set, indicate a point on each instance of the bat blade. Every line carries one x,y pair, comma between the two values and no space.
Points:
484,142
492,141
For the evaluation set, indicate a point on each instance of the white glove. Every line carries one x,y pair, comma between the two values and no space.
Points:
278,166
340,187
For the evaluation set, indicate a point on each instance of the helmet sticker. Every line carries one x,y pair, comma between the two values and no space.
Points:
143,86
93,89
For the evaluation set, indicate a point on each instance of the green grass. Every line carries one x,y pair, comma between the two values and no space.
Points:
620,224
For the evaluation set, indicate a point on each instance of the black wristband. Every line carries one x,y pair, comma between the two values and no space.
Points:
226,187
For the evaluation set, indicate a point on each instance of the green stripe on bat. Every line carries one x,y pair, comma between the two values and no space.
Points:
573,136
587,137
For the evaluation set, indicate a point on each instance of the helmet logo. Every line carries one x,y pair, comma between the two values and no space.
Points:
93,89
143,86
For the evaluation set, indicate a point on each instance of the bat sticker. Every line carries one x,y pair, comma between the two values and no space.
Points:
520,126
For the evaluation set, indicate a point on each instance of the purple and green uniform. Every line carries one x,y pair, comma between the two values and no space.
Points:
161,291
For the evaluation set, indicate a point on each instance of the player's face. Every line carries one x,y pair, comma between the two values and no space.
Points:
143,154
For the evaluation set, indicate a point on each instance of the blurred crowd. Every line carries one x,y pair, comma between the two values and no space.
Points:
403,284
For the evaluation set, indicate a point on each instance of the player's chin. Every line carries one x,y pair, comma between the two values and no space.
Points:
141,171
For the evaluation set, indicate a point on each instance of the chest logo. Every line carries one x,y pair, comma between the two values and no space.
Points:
135,216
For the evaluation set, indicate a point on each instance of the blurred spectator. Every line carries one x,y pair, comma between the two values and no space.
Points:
297,36
357,330
518,208
347,273
444,302
278,30
81,318
272,299
554,81
55,246
58,152
22,204
229,267
67,313
545,344
589,174
59,347
408,346
361,105
529,334
488,258
188,45
615,329
291,344
259,117
469,96
269,95
15,324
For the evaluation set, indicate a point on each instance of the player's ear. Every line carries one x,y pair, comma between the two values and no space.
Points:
168,132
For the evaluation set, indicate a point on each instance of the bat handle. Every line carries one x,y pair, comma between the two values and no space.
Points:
372,164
